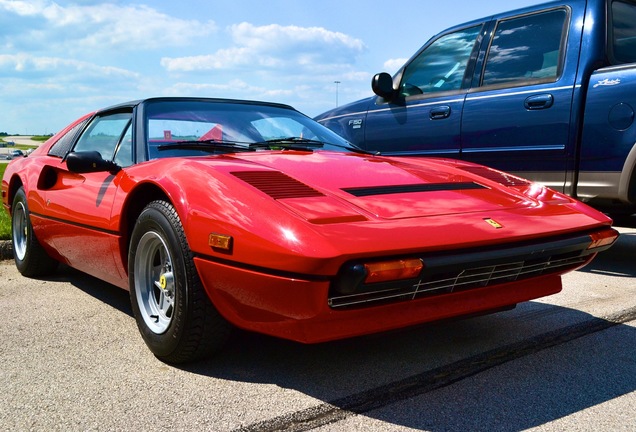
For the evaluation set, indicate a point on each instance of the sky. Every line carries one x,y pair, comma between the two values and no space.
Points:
62,59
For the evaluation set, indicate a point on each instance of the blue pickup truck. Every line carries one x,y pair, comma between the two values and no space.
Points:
547,92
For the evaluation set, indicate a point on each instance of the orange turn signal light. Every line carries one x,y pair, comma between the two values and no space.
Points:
393,270
220,241
603,238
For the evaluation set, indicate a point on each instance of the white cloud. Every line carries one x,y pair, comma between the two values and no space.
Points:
275,37
103,25
232,89
22,8
274,47
24,63
391,66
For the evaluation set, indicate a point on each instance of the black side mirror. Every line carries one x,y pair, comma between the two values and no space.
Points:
89,161
382,85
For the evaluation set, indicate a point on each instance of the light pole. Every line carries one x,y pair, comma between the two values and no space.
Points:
337,82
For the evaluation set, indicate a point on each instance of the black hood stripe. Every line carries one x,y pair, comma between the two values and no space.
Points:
430,187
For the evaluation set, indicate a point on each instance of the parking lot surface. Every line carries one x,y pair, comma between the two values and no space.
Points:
71,359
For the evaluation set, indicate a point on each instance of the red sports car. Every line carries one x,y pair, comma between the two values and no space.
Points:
219,213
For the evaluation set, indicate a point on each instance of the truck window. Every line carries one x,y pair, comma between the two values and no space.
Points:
528,48
441,66
623,32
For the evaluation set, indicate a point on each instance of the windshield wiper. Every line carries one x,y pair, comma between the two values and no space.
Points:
299,143
355,149
210,145
289,143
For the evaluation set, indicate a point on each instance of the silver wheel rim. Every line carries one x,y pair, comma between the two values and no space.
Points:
154,282
20,230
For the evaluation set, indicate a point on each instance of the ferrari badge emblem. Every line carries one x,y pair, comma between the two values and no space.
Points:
493,223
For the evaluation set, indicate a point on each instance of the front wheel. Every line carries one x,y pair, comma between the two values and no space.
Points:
174,315
30,257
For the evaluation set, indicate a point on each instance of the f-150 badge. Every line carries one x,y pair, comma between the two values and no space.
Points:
355,124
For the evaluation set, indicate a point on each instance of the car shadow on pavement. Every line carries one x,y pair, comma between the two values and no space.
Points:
460,375
111,295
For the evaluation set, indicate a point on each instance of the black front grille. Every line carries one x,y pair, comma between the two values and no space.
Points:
454,273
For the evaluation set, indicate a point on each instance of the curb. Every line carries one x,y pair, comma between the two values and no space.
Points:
6,250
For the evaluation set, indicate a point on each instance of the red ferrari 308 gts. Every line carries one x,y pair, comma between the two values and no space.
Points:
219,213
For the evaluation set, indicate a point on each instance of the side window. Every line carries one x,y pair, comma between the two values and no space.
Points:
123,154
442,65
526,49
623,36
103,134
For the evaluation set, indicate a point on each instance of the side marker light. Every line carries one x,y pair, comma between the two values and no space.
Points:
220,241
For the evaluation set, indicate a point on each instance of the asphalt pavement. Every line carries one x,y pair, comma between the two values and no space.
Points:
22,139
71,359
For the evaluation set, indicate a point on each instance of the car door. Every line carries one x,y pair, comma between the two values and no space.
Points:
79,206
517,116
425,117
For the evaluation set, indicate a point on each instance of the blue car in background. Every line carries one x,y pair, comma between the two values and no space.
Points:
547,92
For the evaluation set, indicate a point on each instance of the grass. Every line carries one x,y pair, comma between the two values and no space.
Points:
40,138
5,220
5,225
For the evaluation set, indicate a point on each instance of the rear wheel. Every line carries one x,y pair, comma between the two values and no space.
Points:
30,257
174,315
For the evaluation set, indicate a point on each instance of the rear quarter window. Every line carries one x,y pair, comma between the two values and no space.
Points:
623,32
64,144
527,49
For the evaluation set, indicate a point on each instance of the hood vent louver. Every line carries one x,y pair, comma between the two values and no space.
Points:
277,185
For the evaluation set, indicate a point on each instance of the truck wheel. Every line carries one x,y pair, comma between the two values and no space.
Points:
174,314
30,257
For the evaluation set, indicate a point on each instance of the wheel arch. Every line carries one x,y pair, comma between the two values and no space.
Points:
136,201
627,186
15,183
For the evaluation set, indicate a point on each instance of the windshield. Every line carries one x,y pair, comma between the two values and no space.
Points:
198,127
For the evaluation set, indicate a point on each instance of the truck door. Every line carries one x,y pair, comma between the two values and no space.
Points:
425,117
517,116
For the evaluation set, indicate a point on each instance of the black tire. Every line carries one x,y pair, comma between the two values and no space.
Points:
30,257
174,314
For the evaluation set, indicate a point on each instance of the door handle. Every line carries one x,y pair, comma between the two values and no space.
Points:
440,112
537,102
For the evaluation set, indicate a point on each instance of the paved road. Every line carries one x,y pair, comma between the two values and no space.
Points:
22,139
26,140
71,359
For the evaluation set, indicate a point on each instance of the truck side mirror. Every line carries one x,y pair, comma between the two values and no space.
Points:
382,85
